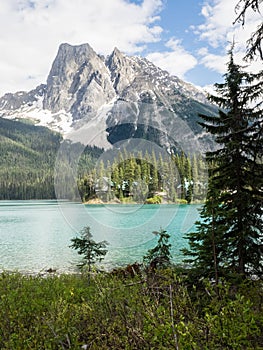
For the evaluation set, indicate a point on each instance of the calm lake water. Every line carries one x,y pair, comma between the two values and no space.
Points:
35,235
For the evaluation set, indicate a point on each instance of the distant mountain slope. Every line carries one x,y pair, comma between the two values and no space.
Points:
27,160
98,101
28,156
26,145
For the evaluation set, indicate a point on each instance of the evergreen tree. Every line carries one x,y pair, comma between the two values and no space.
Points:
254,46
160,255
209,249
90,250
231,231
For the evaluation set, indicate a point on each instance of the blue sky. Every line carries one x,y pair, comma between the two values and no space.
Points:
177,20
179,17
188,38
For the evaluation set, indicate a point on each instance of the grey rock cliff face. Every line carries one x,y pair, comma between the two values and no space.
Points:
78,82
122,70
121,96
12,102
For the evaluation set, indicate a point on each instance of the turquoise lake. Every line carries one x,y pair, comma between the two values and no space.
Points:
35,235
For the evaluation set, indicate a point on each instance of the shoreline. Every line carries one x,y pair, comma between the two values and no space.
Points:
98,201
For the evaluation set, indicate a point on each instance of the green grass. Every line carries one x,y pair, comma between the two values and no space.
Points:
118,311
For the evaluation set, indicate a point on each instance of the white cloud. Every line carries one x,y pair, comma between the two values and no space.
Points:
218,16
177,61
209,89
31,31
213,62
205,11
219,33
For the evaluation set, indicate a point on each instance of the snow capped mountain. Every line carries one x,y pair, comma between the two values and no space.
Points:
100,101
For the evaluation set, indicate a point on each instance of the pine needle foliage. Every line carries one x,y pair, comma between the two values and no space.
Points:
160,255
229,236
254,43
90,250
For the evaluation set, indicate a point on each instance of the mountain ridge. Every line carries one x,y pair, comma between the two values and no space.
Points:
122,96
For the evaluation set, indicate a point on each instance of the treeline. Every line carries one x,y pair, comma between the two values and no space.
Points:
141,177
36,164
20,184
27,156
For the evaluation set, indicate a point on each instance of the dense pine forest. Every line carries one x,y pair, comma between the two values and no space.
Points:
29,155
146,178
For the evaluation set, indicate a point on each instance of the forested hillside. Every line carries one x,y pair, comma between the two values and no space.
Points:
28,155
27,158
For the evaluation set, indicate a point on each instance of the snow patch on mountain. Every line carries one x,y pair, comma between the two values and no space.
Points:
93,133
60,121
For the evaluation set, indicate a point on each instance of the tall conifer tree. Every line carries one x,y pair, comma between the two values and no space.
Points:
229,238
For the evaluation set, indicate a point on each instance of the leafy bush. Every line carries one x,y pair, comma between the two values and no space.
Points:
154,200
112,312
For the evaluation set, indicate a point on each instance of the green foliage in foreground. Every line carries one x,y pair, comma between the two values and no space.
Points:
160,255
90,250
139,312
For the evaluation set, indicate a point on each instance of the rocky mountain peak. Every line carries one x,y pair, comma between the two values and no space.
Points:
78,81
76,52
68,59
121,70
115,60
122,96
